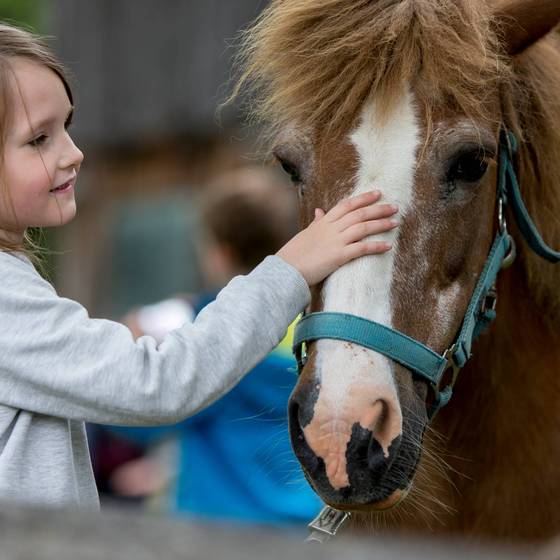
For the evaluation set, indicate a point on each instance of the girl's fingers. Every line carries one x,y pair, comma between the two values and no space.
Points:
363,229
373,212
319,213
350,204
363,248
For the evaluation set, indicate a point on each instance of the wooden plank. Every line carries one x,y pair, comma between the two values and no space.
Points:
66,535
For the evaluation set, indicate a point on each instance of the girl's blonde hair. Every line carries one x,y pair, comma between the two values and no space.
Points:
16,42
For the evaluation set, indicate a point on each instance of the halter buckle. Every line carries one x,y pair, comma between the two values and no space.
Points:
489,301
301,356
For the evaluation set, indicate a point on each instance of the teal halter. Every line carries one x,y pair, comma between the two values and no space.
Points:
440,371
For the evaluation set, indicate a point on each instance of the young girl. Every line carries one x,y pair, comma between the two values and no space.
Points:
58,367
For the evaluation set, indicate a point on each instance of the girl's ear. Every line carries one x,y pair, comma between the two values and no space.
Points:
523,22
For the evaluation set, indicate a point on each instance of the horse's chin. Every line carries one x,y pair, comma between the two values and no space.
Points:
393,501
387,504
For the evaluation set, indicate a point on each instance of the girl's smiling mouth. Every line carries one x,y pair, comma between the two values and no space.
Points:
64,188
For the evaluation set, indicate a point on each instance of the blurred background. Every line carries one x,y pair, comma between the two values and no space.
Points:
148,77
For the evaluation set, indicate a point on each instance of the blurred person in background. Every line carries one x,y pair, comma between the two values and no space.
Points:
233,461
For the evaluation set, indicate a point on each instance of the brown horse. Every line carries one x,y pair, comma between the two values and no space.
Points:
409,96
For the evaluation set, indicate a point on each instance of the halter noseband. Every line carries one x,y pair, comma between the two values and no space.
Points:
481,311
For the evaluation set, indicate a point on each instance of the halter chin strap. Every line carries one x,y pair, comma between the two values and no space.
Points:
439,371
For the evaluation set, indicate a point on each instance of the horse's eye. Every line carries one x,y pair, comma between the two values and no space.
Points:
468,168
291,170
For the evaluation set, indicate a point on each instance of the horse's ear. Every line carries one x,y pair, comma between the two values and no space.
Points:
523,22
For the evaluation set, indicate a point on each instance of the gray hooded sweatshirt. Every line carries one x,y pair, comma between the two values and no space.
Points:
59,368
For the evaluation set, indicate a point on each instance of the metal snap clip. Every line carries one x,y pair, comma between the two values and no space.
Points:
327,524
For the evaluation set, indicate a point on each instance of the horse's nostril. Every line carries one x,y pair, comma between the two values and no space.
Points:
385,422
376,459
376,418
365,454
373,437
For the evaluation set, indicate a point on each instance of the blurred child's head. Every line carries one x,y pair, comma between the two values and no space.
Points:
247,214
39,162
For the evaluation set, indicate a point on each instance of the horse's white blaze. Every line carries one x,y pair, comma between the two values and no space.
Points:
354,379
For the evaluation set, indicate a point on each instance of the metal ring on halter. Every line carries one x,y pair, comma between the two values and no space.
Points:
450,365
511,254
502,226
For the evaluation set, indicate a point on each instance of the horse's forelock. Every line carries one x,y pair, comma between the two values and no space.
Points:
316,62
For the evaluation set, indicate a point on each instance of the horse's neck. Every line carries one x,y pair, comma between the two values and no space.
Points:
503,423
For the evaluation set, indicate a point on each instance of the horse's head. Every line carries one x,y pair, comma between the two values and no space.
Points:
356,417
422,125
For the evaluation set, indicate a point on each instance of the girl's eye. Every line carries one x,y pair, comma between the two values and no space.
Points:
68,122
36,142
468,168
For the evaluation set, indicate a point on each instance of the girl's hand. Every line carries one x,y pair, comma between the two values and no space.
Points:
337,237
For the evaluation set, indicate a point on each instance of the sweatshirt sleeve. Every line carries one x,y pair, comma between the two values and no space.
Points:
55,360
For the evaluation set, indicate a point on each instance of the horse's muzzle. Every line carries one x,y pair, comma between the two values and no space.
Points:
366,476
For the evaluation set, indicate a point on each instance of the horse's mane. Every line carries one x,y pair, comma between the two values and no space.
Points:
313,64
532,109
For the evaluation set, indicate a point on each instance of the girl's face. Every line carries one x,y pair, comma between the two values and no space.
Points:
40,162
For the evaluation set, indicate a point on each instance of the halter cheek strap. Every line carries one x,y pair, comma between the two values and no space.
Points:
509,191
439,371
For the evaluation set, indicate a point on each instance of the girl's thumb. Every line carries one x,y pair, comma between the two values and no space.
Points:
318,214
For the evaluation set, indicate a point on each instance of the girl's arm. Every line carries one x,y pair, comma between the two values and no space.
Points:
55,360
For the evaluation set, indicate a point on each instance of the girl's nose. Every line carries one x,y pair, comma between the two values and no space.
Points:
73,156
